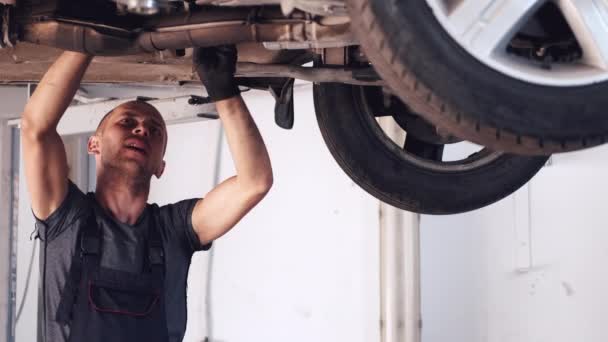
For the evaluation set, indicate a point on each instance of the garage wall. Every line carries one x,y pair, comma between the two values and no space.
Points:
302,266
527,269
13,100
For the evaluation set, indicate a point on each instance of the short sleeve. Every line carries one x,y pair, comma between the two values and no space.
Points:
72,208
179,217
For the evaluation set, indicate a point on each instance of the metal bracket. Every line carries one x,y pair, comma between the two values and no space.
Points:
283,109
198,100
145,98
2,10
335,56
366,75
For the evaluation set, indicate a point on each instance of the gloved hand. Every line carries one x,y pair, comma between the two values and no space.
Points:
215,67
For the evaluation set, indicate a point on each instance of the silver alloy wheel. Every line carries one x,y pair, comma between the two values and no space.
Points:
484,28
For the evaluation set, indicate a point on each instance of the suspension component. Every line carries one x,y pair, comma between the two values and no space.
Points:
8,37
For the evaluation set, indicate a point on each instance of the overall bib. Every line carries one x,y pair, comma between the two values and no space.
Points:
102,305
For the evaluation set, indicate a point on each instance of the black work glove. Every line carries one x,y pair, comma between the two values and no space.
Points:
215,67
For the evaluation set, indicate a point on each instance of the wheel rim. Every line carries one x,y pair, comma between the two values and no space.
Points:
486,28
423,154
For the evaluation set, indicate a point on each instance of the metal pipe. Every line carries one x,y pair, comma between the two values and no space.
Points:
223,26
78,38
400,275
340,75
7,158
211,14
400,305
234,32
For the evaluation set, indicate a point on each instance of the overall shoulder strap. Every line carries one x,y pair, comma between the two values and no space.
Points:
86,254
156,253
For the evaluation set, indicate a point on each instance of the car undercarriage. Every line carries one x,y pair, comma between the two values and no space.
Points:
521,81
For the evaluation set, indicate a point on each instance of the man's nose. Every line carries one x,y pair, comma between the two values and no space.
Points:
141,130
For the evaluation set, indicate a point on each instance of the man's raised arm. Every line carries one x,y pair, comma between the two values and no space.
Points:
227,203
46,169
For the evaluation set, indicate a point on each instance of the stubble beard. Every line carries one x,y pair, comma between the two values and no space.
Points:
128,171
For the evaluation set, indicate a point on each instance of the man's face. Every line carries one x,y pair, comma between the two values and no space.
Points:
132,139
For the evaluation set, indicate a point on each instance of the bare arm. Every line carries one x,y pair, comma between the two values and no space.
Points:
46,169
227,203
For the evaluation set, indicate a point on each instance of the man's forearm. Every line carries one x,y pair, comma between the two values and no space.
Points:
55,91
249,153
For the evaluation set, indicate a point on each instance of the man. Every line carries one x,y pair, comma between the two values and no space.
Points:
114,268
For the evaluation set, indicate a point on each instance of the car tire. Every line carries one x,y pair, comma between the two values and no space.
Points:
390,174
449,87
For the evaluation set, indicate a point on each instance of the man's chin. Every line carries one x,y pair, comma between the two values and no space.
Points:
132,169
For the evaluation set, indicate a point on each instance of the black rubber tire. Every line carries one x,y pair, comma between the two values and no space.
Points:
384,173
453,90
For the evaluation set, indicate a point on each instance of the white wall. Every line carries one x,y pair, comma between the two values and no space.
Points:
13,99
310,250
480,283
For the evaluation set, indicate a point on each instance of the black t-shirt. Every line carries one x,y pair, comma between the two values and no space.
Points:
123,248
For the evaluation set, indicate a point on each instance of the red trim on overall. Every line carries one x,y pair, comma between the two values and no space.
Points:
121,312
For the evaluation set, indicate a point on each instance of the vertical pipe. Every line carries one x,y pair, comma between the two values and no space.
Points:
400,319
12,240
209,292
6,148
400,275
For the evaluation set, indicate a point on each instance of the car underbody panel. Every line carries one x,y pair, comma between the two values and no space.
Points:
156,48
28,63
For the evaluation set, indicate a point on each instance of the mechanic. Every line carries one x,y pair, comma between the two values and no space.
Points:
114,268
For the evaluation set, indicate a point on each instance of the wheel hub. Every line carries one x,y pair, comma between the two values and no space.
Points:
571,50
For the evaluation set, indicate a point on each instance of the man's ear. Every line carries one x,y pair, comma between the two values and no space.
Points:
93,145
160,170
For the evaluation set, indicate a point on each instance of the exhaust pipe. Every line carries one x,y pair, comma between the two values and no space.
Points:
78,38
217,27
